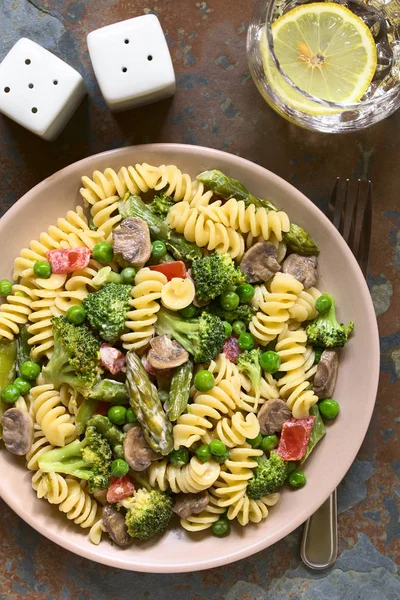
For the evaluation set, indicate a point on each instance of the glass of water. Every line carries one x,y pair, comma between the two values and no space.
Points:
327,66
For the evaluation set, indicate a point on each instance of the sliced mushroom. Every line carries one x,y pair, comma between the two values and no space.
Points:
137,452
260,263
17,431
272,415
132,240
166,353
190,504
325,377
114,524
303,268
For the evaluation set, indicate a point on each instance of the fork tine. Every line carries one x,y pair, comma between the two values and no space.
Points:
365,235
353,240
333,201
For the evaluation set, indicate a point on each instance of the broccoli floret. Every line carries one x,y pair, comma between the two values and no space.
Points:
106,310
249,363
88,459
268,476
214,274
325,330
148,513
202,337
76,357
244,312
161,205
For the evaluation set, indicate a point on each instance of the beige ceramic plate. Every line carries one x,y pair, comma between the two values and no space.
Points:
356,387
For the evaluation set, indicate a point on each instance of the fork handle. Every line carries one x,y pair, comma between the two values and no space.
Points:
319,543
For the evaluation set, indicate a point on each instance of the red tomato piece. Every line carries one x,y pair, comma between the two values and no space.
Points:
171,269
69,260
119,488
102,408
295,436
112,359
231,349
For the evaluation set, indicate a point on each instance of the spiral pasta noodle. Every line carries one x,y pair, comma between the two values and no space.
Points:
39,446
50,486
49,412
43,310
174,183
274,307
204,232
294,385
135,180
304,307
206,518
145,306
253,220
235,430
192,478
96,531
14,313
77,287
78,506
206,407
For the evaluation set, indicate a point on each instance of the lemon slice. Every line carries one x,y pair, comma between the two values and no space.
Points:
326,50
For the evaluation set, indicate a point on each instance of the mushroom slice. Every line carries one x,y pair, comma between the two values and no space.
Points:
137,452
114,524
272,415
132,240
17,431
260,262
303,268
190,504
325,376
166,353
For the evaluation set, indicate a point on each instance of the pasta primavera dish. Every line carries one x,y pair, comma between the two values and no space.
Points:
165,350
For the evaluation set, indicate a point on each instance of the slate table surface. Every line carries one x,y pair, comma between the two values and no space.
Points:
217,105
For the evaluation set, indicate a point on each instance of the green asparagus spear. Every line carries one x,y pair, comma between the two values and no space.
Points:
159,229
113,435
85,412
8,362
23,348
108,390
147,407
226,187
180,388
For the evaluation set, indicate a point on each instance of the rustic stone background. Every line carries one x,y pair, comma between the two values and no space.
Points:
217,105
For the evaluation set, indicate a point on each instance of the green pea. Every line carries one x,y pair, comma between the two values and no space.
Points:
297,479
130,416
270,361
245,292
203,453
229,300
179,457
221,459
269,442
329,408
217,448
323,304
255,442
238,327
42,269
10,394
117,414
246,341
291,466
30,370
204,381
114,277
23,385
76,314
128,275
227,329
318,353
188,312
5,287
220,527
119,468
158,249
103,252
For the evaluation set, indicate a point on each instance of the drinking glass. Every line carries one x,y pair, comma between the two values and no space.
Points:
381,98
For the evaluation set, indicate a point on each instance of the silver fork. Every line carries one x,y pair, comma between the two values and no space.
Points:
351,213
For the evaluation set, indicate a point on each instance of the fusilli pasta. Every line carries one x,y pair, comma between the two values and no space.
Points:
194,477
14,313
49,412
